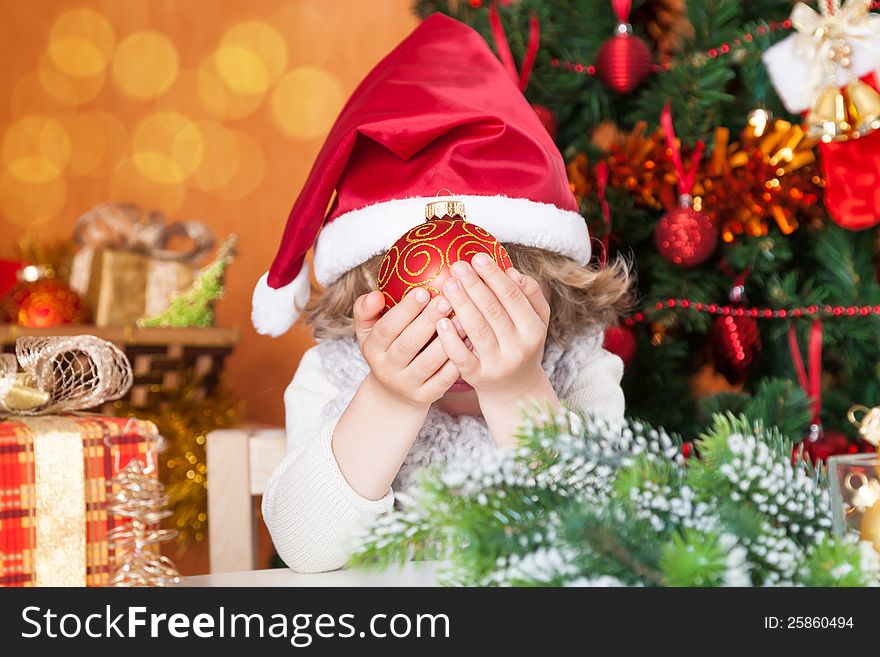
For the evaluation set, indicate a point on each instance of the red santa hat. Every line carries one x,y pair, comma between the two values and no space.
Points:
439,112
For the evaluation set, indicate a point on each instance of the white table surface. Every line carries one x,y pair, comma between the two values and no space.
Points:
411,575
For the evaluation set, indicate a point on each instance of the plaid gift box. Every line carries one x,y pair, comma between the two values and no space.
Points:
55,474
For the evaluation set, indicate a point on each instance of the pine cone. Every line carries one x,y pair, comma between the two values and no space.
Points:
667,23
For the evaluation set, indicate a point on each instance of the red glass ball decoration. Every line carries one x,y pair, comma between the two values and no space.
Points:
686,237
43,303
827,443
736,342
624,61
547,119
422,257
621,341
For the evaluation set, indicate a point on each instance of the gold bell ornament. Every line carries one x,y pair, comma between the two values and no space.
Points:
863,106
867,421
829,118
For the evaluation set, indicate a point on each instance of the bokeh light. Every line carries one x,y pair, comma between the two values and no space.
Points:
81,43
129,185
36,149
167,147
251,57
221,157
31,204
306,101
98,142
68,90
249,173
145,64
219,99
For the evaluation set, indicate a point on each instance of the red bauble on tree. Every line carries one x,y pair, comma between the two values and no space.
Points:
547,118
422,257
38,302
827,443
686,237
621,341
623,61
736,342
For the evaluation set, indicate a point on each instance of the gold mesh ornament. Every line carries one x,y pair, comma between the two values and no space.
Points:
62,374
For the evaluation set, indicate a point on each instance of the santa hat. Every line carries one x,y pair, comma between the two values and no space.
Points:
439,112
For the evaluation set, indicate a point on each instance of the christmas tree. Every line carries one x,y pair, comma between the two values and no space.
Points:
770,269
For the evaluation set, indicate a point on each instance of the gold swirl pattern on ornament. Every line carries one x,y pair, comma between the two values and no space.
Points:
415,261
389,264
465,247
477,231
430,230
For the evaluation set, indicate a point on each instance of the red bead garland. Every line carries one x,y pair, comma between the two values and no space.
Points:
761,313
712,53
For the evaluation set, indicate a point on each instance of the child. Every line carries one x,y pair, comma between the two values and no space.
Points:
382,396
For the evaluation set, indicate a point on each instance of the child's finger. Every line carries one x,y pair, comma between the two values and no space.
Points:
485,299
366,311
392,324
471,319
431,359
445,377
455,348
507,288
415,336
536,297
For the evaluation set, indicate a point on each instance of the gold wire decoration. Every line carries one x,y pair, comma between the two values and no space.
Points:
140,499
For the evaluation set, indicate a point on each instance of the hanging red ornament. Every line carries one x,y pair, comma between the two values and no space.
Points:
621,341
624,60
824,444
422,257
736,341
39,302
684,236
547,118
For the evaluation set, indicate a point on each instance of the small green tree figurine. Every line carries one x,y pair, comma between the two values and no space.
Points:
194,306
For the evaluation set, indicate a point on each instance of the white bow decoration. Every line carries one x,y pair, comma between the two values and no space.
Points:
801,65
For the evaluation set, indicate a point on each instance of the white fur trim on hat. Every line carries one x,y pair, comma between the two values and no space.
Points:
354,237
274,311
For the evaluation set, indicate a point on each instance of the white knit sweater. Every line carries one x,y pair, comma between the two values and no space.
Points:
309,507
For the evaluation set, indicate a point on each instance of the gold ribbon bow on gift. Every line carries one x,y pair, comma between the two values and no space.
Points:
824,36
130,228
61,374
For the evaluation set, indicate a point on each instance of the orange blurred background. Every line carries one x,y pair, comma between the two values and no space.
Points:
205,109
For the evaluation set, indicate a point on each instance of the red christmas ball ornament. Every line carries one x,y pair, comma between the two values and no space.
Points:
39,302
735,342
686,237
547,119
826,443
422,257
624,61
621,341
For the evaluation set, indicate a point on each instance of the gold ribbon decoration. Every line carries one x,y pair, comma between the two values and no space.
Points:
59,492
825,37
128,227
62,374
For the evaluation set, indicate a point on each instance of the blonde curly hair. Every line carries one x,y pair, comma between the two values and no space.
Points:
582,299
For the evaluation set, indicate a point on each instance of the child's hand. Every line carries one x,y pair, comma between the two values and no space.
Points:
506,316
394,346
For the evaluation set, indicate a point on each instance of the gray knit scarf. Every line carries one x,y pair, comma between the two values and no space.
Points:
442,434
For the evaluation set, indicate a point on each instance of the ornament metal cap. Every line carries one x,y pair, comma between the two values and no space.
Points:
447,207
